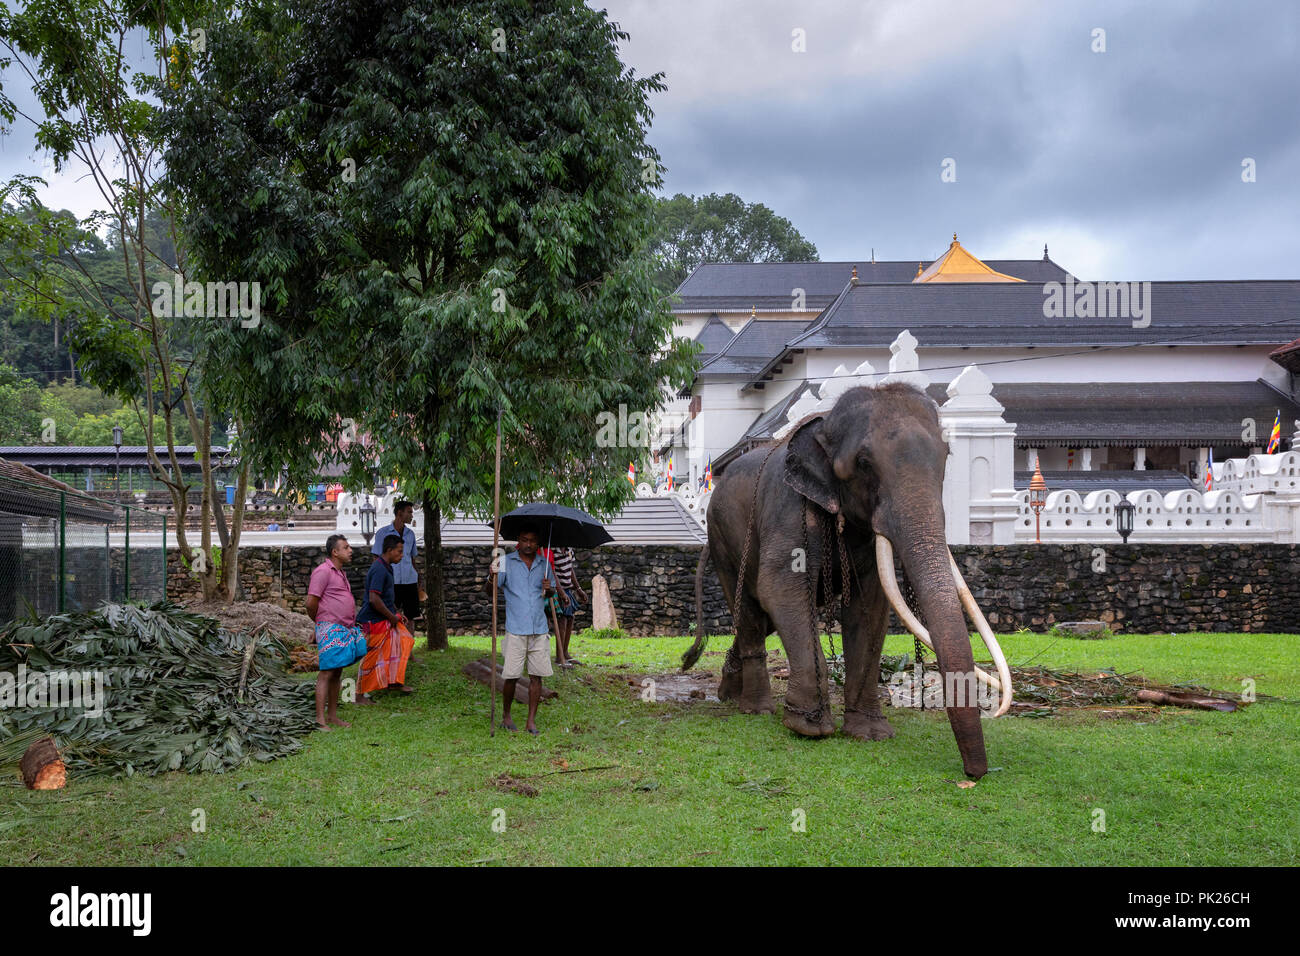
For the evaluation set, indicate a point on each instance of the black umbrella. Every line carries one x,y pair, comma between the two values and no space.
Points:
559,526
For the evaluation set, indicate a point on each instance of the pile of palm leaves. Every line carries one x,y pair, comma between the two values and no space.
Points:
180,692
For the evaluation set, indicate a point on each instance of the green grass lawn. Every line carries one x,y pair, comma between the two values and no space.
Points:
411,781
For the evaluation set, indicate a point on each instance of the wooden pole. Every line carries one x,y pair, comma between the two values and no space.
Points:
496,543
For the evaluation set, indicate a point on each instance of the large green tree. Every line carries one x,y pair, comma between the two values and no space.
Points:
690,230
447,209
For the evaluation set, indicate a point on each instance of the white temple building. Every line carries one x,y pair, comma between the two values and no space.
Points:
1115,378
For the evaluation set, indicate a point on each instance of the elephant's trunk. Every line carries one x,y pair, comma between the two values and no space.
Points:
926,560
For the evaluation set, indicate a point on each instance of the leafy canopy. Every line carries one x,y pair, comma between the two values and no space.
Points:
448,211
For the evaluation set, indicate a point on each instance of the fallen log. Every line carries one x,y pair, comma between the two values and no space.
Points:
479,670
1186,700
42,767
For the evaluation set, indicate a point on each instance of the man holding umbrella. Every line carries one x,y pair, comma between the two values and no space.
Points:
527,580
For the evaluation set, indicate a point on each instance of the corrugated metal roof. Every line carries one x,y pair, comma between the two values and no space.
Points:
657,520
74,456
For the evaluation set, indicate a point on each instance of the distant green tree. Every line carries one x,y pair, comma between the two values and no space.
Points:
447,209
20,408
690,230
97,109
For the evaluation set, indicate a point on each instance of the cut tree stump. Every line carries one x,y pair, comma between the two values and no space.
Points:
42,767
479,669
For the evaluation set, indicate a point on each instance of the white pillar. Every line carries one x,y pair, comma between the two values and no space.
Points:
1139,459
1087,459
1202,462
979,497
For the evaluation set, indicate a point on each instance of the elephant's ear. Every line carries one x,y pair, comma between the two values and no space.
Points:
808,467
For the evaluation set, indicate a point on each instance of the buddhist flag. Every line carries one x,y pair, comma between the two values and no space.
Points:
1209,471
708,474
1275,439
631,473
670,472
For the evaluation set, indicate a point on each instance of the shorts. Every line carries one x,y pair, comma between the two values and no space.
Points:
535,647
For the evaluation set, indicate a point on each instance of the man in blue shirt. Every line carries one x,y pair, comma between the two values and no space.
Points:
526,579
406,582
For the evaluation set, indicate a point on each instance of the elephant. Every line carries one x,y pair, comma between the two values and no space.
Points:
787,520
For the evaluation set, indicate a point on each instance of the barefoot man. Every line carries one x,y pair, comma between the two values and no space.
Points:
338,639
387,630
527,580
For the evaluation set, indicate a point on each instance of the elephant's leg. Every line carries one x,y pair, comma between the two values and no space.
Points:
751,649
807,698
864,639
731,684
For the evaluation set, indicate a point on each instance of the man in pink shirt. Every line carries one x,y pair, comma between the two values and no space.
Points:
331,604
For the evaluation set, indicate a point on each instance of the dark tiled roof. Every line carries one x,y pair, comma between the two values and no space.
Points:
1011,315
775,417
736,286
715,336
1076,415
1155,413
751,349
1085,482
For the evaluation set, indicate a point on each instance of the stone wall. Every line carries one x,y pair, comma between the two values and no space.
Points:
1143,588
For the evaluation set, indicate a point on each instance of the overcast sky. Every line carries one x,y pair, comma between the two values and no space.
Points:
1127,163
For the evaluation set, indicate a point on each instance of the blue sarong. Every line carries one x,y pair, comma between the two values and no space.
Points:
338,645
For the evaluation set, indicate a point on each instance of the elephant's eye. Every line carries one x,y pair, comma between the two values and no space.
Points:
864,460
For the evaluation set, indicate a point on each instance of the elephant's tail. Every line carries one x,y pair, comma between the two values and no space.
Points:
701,637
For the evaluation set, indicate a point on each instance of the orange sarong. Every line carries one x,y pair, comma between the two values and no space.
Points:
385,661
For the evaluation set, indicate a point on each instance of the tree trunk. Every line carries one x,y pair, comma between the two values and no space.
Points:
42,767
435,607
230,564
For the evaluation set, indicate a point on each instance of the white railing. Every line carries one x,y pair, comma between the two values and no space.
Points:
1260,474
1179,516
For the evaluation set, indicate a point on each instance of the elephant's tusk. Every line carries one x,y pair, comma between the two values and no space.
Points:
986,634
885,570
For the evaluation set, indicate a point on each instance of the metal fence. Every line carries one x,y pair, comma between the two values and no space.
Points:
64,551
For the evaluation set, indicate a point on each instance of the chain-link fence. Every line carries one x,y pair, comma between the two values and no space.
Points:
64,551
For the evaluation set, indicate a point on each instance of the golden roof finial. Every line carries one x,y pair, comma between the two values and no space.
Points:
855,275
918,268
753,312
954,237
